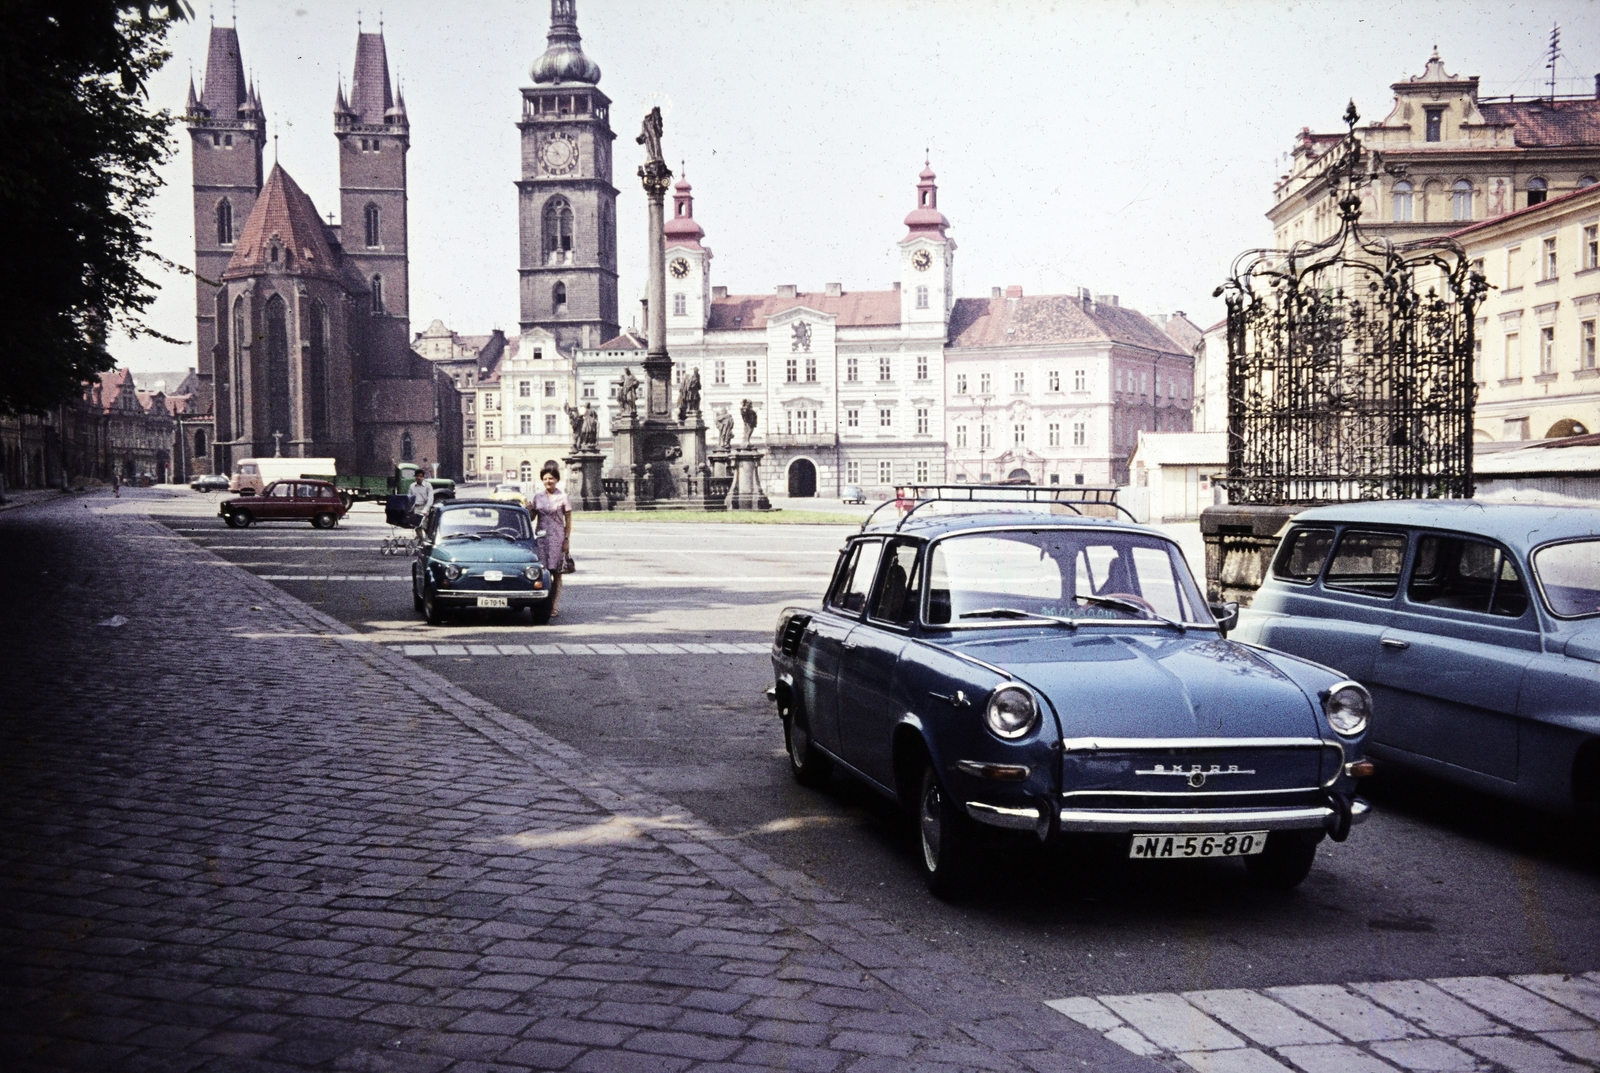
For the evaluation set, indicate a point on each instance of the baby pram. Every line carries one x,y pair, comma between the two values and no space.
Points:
402,539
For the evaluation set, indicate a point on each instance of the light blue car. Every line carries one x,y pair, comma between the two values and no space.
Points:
1475,626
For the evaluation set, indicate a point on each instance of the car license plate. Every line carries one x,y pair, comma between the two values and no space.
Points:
494,601
492,575
1175,847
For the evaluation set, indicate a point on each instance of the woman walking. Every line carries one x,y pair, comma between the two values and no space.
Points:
552,522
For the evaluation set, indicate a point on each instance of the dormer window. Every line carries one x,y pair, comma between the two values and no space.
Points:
1435,130
1538,190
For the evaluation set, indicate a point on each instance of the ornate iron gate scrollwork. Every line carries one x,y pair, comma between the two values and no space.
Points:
1350,363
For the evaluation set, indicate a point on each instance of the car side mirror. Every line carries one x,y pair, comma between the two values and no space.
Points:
1226,613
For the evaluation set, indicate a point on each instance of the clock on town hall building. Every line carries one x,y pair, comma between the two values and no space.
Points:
680,267
921,260
559,154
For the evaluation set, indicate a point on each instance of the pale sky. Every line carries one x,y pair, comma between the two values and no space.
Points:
1127,147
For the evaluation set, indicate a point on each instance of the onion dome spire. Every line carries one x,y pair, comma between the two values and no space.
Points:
563,59
926,219
682,230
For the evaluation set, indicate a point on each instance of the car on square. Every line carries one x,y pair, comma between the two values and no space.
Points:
479,555
1013,664
317,502
1476,627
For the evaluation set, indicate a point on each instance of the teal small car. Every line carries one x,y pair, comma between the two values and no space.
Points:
479,556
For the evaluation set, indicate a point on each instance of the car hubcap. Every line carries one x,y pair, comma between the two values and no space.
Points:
930,827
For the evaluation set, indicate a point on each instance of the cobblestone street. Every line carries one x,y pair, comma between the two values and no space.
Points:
236,836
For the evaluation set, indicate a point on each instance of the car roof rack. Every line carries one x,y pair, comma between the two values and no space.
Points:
1071,496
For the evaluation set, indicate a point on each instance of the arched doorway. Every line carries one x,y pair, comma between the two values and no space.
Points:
802,479
1567,426
1020,476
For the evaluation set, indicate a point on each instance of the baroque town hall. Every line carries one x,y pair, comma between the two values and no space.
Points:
303,347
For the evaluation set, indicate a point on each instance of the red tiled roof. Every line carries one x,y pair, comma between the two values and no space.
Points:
628,340
284,210
1543,206
852,309
1051,318
1545,123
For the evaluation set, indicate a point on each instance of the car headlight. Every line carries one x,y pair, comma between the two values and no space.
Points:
531,571
1349,708
1011,712
452,571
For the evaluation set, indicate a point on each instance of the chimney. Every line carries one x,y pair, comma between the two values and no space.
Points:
1085,299
1014,291
1597,86
833,290
718,292
1106,299
897,285
995,292
788,290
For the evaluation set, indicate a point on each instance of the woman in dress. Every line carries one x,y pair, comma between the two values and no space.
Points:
552,522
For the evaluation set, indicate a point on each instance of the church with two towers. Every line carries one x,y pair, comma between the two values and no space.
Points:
303,324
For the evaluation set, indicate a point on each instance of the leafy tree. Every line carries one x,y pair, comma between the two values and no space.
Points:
76,177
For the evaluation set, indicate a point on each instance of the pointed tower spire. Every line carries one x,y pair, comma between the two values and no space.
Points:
192,105
563,59
926,219
224,87
682,230
370,94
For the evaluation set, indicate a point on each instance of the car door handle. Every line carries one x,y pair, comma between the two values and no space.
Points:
1395,643
848,646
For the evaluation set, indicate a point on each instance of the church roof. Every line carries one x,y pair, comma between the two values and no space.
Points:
370,96
283,212
1541,124
1052,318
225,90
852,309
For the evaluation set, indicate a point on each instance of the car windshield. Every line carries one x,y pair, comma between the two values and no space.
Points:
1084,576
1569,577
466,523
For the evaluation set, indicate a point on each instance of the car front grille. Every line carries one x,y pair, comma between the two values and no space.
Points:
1201,771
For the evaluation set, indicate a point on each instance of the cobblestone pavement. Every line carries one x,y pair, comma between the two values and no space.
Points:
234,836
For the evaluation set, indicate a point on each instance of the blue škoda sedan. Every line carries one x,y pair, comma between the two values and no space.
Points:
1063,674
478,555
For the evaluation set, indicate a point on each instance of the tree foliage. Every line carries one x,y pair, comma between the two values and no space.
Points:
78,170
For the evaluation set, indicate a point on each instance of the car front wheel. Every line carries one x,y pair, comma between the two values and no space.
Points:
416,590
240,519
808,766
1286,861
432,610
539,612
944,838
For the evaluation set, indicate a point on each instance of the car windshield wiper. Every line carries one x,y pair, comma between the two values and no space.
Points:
1134,606
461,536
1013,612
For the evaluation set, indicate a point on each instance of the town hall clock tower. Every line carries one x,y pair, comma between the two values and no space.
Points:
567,207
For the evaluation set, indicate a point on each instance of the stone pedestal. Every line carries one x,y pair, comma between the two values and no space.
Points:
721,463
583,480
1240,541
747,493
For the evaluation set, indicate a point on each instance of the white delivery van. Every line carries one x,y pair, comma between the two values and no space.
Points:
251,475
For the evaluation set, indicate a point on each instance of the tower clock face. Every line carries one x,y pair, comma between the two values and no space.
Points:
559,154
921,260
680,267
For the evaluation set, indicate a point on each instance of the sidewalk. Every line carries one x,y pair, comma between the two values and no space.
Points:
234,836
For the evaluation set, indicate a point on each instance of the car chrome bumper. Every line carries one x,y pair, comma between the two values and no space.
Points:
473,594
1115,821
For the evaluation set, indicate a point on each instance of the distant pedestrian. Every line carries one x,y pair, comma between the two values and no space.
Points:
421,502
116,484
552,517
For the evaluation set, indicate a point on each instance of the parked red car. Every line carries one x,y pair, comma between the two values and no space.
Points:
316,502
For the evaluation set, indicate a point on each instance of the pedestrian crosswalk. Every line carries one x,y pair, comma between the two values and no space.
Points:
593,648
1461,1024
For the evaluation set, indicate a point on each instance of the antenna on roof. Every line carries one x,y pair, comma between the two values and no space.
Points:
1555,50
358,20
235,14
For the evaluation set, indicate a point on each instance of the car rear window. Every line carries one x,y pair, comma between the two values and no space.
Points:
1302,555
1467,575
1569,575
1367,563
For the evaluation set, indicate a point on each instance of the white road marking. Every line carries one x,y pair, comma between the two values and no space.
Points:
1520,1024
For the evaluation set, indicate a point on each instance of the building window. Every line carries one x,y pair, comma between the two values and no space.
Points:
588,389
885,418
680,305
488,463
983,383
471,404
1591,246
852,473
811,370
1586,180
377,294
488,430
1513,356
750,372
406,448
961,383
558,297
1019,435
525,389
885,472
719,372
1513,268
922,421
961,435
557,230
791,371
1477,360
1402,202
1080,434
922,366
373,234
525,424
1586,347
549,424
1019,382
1547,350
852,369
1538,190
549,389
884,368
1055,435
852,418
525,471
1436,126
1461,200
1548,259
224,223
472,462
922,297
985,439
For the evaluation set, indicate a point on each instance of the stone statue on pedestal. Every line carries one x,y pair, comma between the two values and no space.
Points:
575,419
724,430
628,394
747,411
589,429
689,394
650,136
